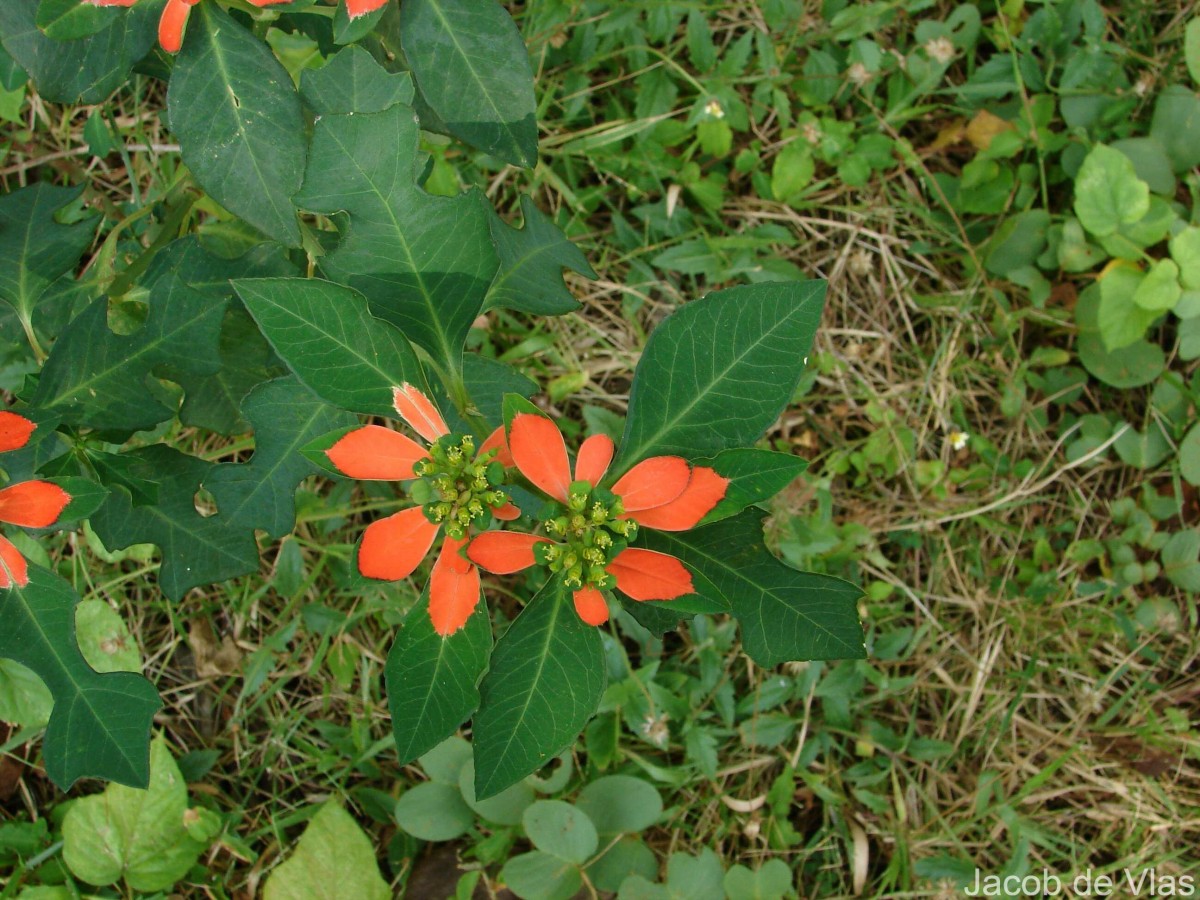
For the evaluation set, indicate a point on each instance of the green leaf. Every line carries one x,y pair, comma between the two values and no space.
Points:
86,497
353,82
531,262
434,812
1185,250
754,476
1189,455
196,549
541,876
1191,49
504,808
561,830
625,857
488,380
104,639
718,372
546,678
769,882
432,681
1159,291
792,172
140,836
261,494
1120,319
35,250
98,378
333,860
100,725
24,699
473,70
1132,366
214,401
1018,242
785,614
1108,192
66,20
445,762
85,70
237,116
1179,560
347,30
618,804
1176,125
423,262
329,338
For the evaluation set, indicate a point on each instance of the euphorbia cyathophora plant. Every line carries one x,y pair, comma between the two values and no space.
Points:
317,282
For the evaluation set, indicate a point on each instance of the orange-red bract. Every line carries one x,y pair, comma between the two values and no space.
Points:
14,431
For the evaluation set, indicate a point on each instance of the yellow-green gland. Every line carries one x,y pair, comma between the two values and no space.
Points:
590,534
456,488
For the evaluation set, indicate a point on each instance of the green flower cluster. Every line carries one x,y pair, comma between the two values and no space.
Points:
456,488
590,534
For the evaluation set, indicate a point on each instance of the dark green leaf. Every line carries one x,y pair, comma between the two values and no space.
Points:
353,82
66,20
86,497
214,401
196,549
487,382
238,119
82,71
423,262
261,494
754,476
98,378
329,338
100,726
473,70
545,681
347,30
531,262
719,371
432,681
785,614
34,249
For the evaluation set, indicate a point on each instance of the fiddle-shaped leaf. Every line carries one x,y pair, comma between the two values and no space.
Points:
85,70
100,724
237,115
262,493
424,263
353,82
785,614
98,378
473,70
432,681
718,372
328,337
196,549
531,262
544,682
35,250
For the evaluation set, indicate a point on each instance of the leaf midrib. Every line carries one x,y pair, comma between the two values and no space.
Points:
763,591
559,603
635,455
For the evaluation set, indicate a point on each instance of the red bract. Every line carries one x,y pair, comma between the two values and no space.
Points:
663,492
29,504
175,15
456,491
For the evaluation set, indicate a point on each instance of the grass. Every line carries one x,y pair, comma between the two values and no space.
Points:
1014,714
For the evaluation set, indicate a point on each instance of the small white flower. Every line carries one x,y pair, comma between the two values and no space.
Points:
957,440
859,74
714,109
654,729
940,50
